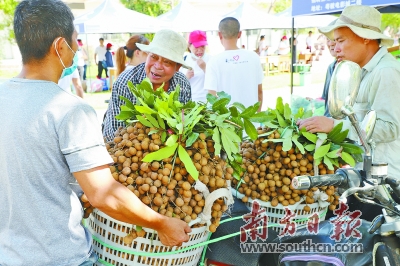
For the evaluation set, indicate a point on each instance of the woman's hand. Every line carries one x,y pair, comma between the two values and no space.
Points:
201,64
190,74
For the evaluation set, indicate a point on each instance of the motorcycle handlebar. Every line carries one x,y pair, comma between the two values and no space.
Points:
344,178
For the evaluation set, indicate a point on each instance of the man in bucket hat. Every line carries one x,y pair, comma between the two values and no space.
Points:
359,39
165,57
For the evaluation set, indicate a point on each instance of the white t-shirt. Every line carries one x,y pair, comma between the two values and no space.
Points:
65,82
283,48
236,72
197,81
101,53
261,45
309,41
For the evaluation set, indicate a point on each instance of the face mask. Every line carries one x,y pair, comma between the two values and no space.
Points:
68,70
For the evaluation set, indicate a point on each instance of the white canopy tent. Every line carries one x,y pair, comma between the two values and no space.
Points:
253,18
305,21
185,17
113,17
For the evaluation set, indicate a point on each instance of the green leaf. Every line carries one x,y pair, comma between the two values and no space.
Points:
328,163
307,114
279,105
287,112
144,121
234,111
250,111
239,106
144,109
217,141
310,136
310,147
341,136
299,114
317,161
171,140
322,151
152,120
281,121
334,153
161,154
287,144
336,130
126,108
348,159
192,138
163,136
187,161
223,94
211,98
298,144
352,148
160,121
219,104
250,129
358,157
287,133
124,115
261,117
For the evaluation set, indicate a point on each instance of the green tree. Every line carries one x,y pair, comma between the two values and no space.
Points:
392,20
7,8
149,7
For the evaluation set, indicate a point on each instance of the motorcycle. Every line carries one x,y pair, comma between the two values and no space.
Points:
371,186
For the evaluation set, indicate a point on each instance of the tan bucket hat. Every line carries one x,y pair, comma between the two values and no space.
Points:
168,44
365,21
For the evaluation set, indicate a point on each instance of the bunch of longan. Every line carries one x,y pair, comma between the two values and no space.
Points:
269,172
165,185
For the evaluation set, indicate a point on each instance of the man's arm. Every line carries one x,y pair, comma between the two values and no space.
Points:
95,54
212,92
78,86
260,96
117,201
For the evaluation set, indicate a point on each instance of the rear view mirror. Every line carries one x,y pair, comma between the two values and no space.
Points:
343,88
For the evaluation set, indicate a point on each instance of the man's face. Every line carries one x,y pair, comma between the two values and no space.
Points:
159,69
101,42
349,46
331,46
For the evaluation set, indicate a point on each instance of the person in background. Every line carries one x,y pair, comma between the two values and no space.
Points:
235,71
197,60
359,39
133,53
109,56
51,143
283,47
164,59
310,41
65,83
82,63
99,57
262,46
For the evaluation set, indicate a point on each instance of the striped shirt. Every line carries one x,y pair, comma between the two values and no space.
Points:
120,88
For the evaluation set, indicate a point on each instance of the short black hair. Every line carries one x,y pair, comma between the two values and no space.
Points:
37,23
101,39
229,27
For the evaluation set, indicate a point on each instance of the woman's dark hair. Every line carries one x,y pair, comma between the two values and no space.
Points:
37,23
262,37
130,48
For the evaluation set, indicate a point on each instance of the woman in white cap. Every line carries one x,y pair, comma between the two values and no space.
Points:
164,59
197,60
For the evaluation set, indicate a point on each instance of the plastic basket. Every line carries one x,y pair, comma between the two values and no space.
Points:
108,235
275,214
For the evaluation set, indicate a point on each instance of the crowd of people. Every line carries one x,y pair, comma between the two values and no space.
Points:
55,139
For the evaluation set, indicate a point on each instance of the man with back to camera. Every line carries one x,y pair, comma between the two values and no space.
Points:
359,39
235,71
50,139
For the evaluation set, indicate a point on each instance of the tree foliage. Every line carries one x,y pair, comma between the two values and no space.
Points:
7,8
392,20
148,7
